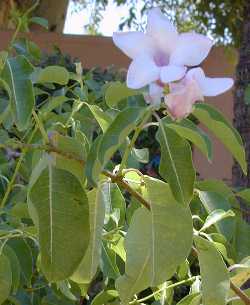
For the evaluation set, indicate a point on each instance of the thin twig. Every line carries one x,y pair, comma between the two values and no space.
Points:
133,140
52,149
240,293
162,289
119,180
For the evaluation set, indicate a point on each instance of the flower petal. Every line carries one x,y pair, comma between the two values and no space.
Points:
142,71
155,94
215,86
172,73
182,97
133,43
210,86
191,49
162,30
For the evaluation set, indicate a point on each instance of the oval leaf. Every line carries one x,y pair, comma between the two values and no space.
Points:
59,208
216,216
117,91
53,74
88,266
215,280
5,278
223,130
188,130
176,164
123,124
155,234
17,73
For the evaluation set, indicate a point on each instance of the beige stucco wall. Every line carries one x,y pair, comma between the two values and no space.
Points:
100,51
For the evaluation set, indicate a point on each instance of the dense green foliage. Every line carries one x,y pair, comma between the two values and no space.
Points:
80,223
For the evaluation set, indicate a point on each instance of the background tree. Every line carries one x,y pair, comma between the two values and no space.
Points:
241,109
53,11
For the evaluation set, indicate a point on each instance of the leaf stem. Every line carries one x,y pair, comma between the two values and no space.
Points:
49,148
162,289
132,142
18,28
41,127
241,294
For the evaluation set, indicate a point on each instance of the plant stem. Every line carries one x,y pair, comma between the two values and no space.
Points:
41,127
241,294
162,289
18,165
49,148
132,142
119,180
15,34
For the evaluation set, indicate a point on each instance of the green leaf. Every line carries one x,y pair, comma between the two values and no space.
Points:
188,130
40,21
241,237
93,166
74,148
115,205
141,155
27,48
191,299
108,262
170,222
5,278
244,194
213,201
137,275
216,216
103,118
59,208
53,103
17,72
15,267
216,186
123,124
223,130
215,280
155,233
53,74
104,297
117,91
24,256
88,266
176,164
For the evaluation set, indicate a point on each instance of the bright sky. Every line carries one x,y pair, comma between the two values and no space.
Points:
75,21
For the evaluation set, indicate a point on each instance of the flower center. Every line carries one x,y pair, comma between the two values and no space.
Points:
161,59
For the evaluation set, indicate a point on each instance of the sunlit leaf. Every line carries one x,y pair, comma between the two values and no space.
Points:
188,130
117,91
59,208
216,216
88,266
215,280
17,73
223,130
176,164
53,74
